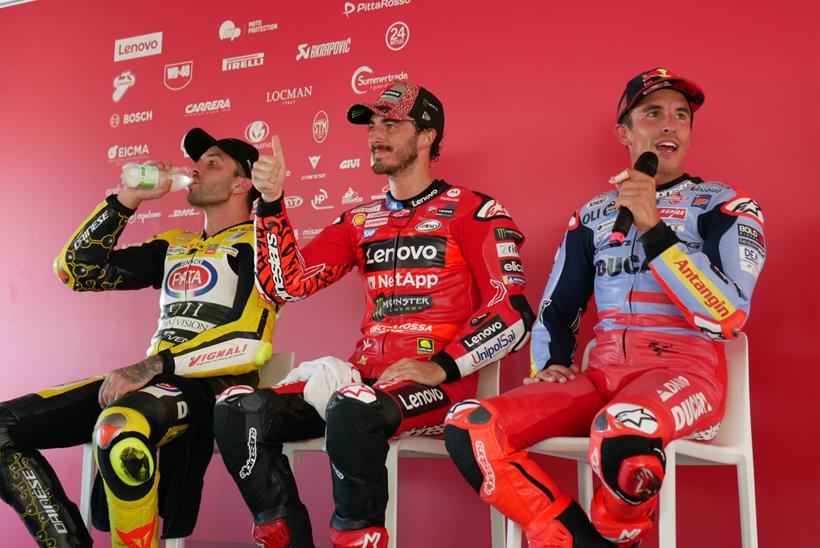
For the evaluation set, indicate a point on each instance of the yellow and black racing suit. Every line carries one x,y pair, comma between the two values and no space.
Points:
214,331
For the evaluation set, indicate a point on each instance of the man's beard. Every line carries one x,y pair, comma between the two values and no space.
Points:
406,157
203,197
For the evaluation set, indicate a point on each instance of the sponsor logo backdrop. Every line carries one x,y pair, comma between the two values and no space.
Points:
530,90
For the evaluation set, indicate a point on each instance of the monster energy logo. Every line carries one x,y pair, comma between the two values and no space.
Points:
397,305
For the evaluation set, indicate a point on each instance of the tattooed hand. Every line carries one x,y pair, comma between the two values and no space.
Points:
127,379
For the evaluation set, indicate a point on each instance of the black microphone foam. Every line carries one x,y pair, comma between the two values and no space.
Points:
646,163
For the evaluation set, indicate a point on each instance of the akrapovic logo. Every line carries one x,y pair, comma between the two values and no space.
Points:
407,252
315,51
133,47
487,331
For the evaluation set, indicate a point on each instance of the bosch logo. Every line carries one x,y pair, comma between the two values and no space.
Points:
195,279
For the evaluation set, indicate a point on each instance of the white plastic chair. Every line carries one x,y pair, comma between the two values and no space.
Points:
274,370
733,445
420,446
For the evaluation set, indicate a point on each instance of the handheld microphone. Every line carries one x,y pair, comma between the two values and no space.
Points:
646,163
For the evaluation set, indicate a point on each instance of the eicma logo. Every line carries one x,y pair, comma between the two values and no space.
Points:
117,152
321,126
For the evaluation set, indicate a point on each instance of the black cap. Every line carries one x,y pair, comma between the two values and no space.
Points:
197,141
403,100
654,80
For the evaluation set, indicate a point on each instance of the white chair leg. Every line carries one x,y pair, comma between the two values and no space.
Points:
175,543
89,469
391,512
513,534
667,532
584,485
497,521
748,507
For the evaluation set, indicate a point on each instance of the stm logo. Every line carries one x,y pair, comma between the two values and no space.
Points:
321,126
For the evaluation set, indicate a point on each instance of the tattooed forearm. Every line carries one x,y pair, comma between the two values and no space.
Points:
144,370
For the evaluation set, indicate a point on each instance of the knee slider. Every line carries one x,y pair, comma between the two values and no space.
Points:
630,462
125,456
354,402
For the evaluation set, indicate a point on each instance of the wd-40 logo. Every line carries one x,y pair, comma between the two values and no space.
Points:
122,83
257,131
133,47
178,75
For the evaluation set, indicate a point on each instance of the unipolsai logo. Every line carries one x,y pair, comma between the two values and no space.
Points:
321,126
178,75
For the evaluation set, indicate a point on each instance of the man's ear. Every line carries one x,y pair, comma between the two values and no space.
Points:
623,134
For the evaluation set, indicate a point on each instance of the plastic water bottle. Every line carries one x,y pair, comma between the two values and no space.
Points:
149,176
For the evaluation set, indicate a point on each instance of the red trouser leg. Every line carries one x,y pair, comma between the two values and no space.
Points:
501,427
628,438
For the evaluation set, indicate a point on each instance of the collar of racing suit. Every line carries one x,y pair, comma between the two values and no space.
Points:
434,189
673,182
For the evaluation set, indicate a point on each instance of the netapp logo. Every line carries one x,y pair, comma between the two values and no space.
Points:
411,252
243,61
207,107
307,51
362,81
351,8
138,46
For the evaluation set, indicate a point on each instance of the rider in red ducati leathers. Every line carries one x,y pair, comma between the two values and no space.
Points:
679,285
444,286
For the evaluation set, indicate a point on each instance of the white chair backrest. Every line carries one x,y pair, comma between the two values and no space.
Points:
276,368
736,425
489,382
585,361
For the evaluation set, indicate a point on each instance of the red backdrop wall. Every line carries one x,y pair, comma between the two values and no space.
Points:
530,90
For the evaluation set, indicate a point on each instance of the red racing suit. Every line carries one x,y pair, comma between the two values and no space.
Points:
442,274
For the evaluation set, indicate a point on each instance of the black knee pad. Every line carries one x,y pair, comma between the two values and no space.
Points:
615,450
354,410
128,465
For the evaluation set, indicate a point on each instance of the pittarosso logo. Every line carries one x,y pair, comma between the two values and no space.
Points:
243,62
257,131
208,107
133,47
315,51
351,8
363,80
288,96
132,118
121,152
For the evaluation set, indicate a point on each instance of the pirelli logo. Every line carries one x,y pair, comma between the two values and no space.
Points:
698,284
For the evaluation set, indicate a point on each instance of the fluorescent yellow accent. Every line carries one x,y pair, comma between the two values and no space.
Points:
131,448
173,433
129,515
63,388
263,354
677,261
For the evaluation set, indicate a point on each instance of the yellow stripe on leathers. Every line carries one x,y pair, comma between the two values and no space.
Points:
697,283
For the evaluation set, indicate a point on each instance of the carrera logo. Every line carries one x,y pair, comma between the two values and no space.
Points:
208,107
406,252
196,279
133,47
428,226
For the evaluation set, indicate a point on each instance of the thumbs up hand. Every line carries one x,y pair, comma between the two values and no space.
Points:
268,172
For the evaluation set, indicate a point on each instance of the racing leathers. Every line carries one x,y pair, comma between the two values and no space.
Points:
443,282
214,332
666,301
